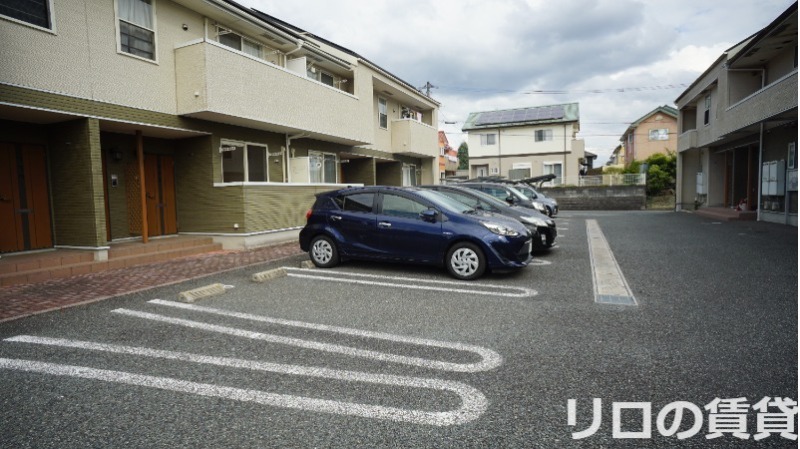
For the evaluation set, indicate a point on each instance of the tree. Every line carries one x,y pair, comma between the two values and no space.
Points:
661,172
463,156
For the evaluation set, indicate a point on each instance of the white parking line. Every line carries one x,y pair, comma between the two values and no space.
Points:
490,359
412,283
610,286
473,402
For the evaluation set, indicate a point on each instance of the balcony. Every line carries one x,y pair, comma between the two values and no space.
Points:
219,84
412,138
687,140
766,103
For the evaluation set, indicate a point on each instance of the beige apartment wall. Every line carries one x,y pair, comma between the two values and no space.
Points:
80,57
238,86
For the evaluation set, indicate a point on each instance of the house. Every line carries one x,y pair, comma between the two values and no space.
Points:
131,119
448,157
617,158
655,132
526,142
737,147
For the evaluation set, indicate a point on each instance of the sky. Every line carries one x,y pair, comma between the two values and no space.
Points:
619,59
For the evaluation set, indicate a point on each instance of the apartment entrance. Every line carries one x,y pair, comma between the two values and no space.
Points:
159,181
24,198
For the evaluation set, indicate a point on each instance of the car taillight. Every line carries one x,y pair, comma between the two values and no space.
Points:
308,214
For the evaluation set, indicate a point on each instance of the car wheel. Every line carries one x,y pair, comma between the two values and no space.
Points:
549,211
323,252
465,261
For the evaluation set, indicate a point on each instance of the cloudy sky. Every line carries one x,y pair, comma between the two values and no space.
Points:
618,58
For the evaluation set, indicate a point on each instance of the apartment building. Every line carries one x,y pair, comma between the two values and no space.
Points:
654,132
526,142
129,119
738,128
448,157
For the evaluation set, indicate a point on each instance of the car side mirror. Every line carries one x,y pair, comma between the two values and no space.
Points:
429,215
510,200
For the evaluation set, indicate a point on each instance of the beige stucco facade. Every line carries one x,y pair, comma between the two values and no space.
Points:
515,151
738,119
198,99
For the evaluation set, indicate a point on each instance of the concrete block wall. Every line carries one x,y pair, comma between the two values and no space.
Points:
599,198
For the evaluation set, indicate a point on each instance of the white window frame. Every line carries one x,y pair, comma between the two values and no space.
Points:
50,19
488,140
545,171
658,134
543,135
707,110
117,19
385,114
323,154
245,164
409,169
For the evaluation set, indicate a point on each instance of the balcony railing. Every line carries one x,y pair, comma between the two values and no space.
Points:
219,84
687,140
411,137
763,104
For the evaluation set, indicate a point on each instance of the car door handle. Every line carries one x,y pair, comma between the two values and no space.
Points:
384,224
336,217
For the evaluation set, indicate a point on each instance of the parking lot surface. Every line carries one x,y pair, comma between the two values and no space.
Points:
629,308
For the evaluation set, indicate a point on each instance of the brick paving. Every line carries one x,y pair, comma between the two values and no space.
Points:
18,301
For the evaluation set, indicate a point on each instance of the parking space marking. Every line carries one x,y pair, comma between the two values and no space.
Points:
473,402
539,262
610,286
413,283
489,359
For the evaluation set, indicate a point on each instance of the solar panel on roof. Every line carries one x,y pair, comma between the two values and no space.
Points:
521,115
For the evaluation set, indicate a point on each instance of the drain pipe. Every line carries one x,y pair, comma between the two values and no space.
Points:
287,173
760,168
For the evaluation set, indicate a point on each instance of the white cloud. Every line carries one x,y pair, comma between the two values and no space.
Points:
484,55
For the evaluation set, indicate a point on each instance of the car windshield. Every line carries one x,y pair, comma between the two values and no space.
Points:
444,201
518,193
488,198
528,191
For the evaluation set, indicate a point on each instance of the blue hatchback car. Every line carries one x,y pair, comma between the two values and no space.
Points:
406,224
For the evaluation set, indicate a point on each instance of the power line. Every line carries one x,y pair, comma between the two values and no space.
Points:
564,91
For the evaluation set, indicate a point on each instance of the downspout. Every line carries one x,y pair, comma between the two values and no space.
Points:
564,170
760,167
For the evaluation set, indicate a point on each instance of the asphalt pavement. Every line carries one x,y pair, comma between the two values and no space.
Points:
381,355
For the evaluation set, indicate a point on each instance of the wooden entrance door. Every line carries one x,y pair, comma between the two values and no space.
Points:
24,198
159,179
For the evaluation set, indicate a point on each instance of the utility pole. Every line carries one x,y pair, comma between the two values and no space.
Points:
428,86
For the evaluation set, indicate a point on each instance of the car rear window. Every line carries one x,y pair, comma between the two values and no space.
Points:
357,202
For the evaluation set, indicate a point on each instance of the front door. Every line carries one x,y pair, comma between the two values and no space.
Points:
159,178
24,198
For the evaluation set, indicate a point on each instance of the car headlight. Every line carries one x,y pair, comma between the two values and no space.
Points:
501,230
540,207
534,221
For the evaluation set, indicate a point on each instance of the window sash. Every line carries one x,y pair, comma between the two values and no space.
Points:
244,162
383,117
136,12
488,139
34,12
544,135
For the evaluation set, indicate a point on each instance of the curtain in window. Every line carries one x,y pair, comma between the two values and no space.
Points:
256,163
315,168
137,12
330,168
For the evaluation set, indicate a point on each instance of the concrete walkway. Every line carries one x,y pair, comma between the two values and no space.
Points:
18,301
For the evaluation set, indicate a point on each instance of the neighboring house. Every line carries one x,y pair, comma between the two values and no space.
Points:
738,124
520,143
655,132
588,161
125,119
617,158
448,157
